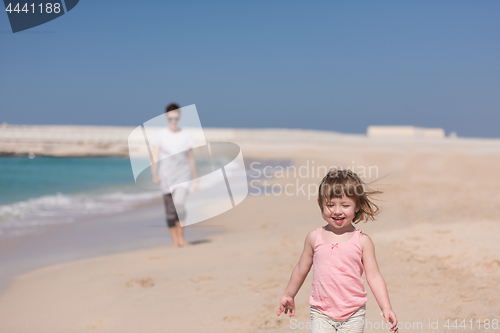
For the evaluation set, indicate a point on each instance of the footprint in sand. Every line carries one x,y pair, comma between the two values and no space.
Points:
156,258
96,325
202,279
143,282
493,264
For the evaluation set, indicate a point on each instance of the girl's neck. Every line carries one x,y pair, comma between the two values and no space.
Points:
349,228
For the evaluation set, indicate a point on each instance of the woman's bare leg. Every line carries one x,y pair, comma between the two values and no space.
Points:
179,197
175,237
180,234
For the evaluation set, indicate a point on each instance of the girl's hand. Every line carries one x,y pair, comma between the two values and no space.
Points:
390,316
287,304
156,180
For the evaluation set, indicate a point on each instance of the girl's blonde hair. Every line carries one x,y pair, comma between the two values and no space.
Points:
338,183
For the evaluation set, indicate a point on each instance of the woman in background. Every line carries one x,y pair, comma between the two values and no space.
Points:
172,148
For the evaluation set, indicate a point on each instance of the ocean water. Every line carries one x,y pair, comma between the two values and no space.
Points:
47,191
22,178
52,190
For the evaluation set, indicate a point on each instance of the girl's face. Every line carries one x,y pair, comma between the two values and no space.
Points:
339,212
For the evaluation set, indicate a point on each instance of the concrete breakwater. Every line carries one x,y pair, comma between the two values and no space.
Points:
67,140
62,140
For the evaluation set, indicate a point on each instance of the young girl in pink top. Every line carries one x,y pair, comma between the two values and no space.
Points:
338,253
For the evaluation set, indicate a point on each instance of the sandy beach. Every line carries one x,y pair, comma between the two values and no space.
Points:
436,242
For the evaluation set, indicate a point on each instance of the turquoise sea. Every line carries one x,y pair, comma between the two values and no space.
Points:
52,190
22,178
45,191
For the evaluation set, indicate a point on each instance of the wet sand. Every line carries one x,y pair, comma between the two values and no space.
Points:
90,236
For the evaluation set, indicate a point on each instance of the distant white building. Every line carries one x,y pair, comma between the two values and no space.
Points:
404,132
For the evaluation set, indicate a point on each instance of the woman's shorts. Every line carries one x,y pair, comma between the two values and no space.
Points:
174,206
321,323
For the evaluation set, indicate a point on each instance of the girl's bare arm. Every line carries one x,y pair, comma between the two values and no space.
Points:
299,274
376,281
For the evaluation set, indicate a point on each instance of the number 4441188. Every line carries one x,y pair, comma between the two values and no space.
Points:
484,324
48,8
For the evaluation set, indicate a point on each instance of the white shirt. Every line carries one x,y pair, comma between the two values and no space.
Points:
174,170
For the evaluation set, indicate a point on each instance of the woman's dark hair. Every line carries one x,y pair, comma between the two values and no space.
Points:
173,107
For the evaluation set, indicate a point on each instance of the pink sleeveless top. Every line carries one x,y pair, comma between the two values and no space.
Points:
337,287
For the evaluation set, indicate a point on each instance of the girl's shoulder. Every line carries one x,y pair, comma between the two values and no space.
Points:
311,237
364,239
312,234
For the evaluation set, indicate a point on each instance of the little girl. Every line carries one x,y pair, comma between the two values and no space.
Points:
338,253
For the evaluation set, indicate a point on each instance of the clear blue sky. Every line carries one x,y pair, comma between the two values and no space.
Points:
329,65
